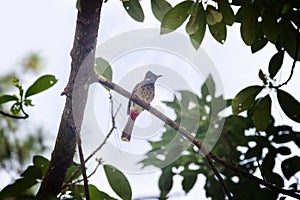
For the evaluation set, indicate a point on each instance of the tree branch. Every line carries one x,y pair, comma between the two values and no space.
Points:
209,155
85,39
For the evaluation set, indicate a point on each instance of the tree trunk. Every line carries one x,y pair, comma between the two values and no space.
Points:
76,96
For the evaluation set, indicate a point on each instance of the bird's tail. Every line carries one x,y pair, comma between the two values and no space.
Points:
126,134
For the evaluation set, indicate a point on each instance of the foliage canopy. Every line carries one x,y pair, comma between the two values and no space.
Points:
249,138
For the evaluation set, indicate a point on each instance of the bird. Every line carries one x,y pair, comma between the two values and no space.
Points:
145,91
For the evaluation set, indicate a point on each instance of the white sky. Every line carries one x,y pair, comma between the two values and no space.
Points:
47,27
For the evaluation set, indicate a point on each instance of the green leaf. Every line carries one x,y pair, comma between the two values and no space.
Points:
250,29
18,187
197,37
32,172
254,152
174,151
193,24
71,170
175,17
227,12
103,68
134,9
189,180
275,179
218,31
96,194
290,166
160,8
262,77
271,28
165,182
212,188
237,124
28,102
283,138
245,99
6,98
284,151
293,186
284,134
208,88
286,8
213,16
258,44
275,63
118,182
289,105
42,163
175,105
262,113
268,162
41,84
77,192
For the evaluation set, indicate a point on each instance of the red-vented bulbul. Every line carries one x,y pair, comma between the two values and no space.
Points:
145,91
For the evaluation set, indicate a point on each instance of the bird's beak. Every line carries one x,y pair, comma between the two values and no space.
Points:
158,76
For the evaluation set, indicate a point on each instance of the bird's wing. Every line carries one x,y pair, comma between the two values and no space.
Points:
128,108
133,91
138,85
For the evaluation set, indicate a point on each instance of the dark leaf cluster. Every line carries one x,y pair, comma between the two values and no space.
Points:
252,142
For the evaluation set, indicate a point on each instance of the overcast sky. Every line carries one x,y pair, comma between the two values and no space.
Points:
47,27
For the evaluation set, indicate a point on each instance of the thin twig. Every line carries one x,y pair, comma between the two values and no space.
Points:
218,175
90,175
261,171
209,155
97,166
83,170
113,115
101,145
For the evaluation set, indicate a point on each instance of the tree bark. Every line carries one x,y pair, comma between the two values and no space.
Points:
85,40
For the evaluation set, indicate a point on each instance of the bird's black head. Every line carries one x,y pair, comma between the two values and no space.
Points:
151,76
